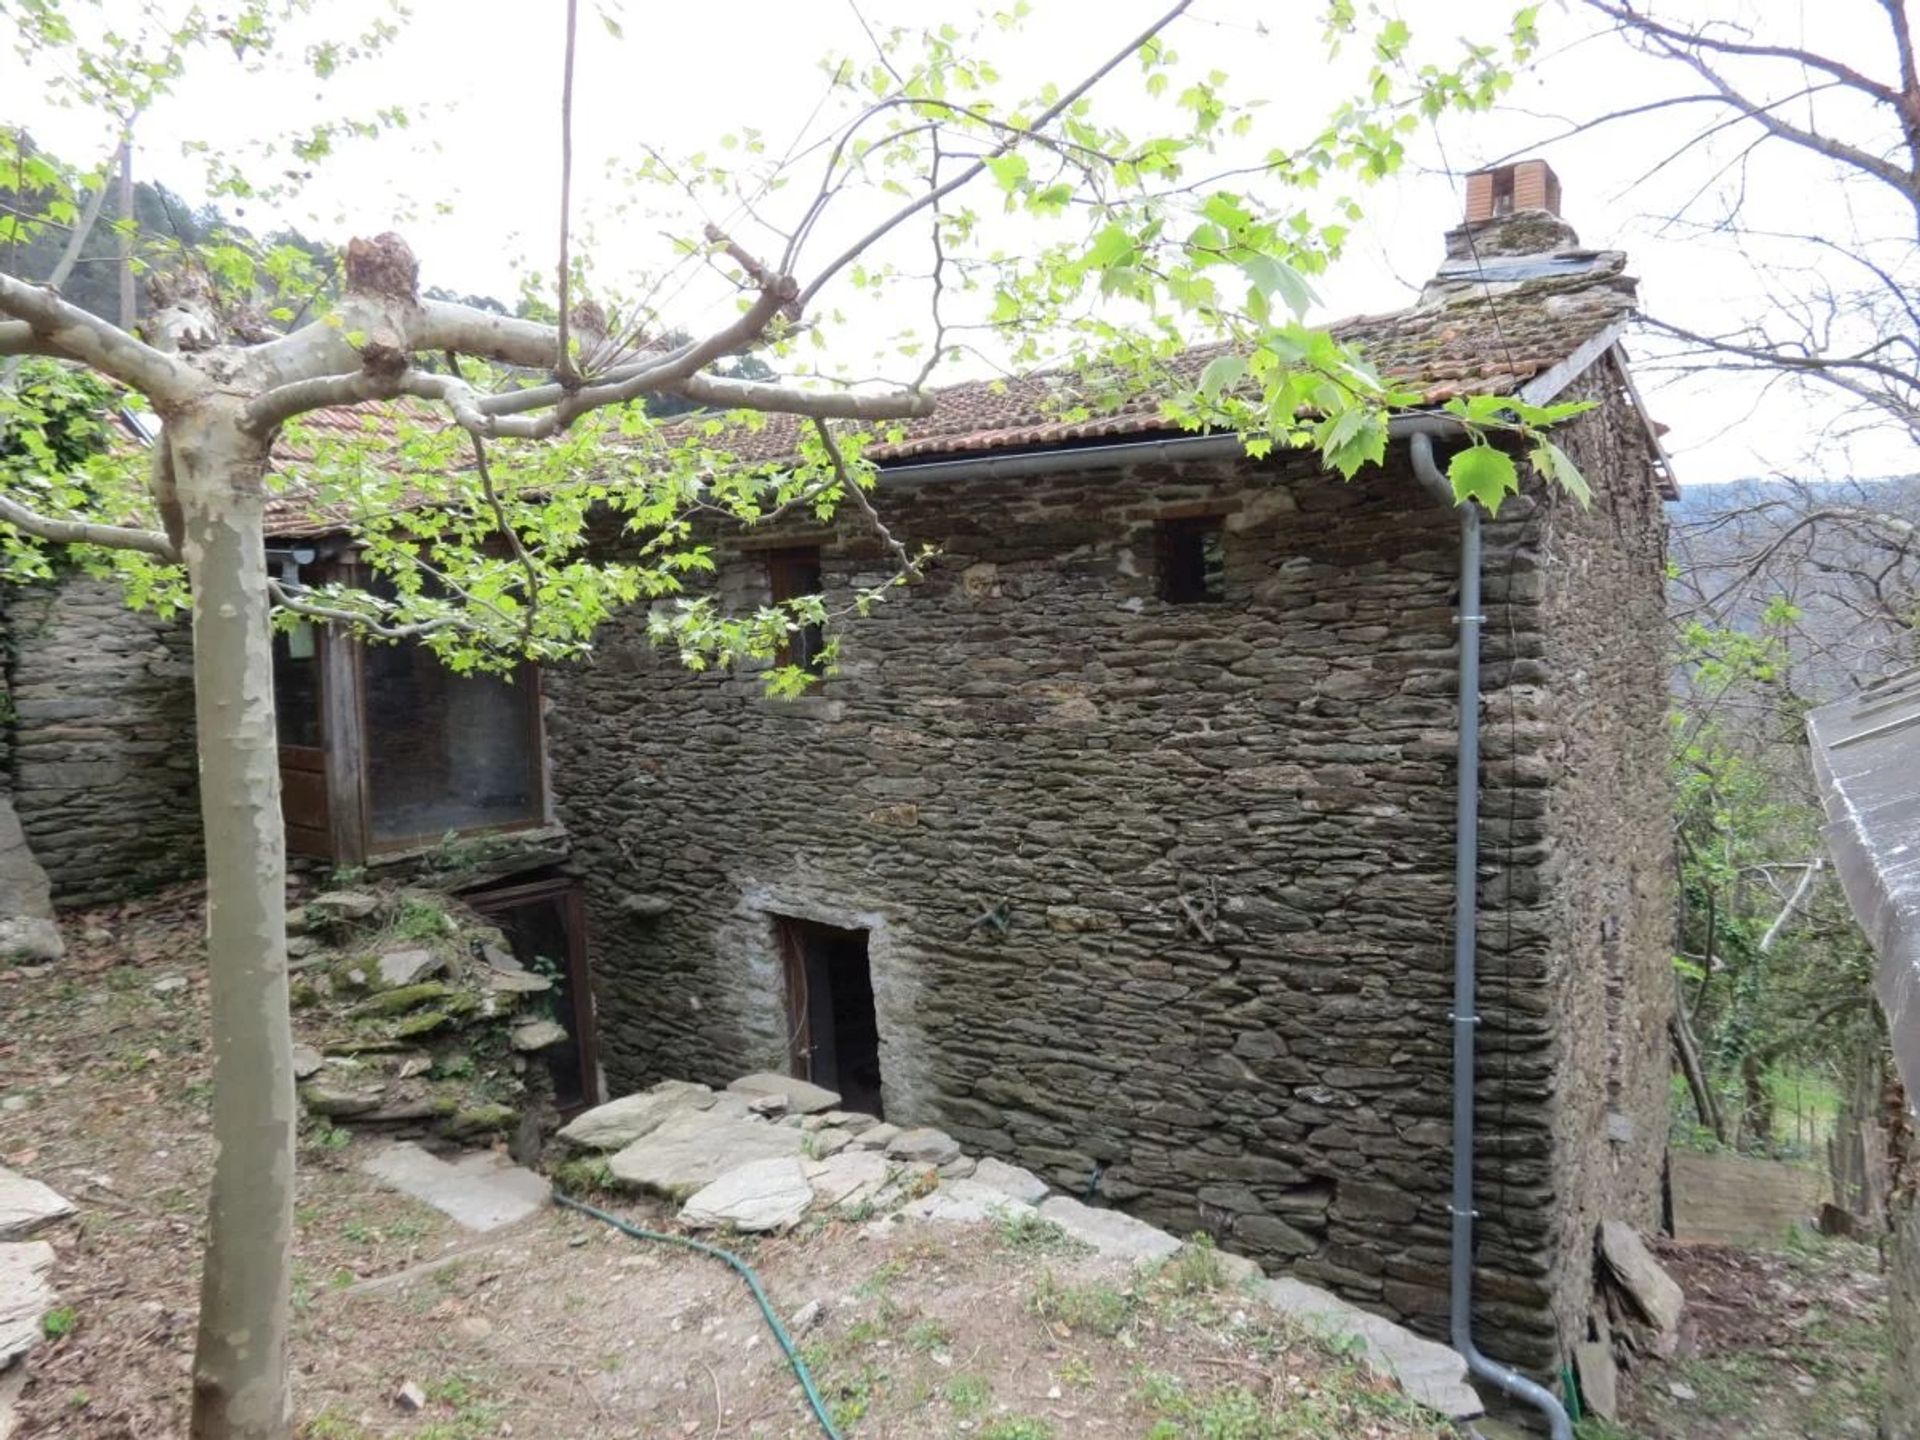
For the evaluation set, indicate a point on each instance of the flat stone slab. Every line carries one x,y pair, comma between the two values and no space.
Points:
1112,1233
618,1123
25,1296
691,1150
1010,1180
936,1147
407,967
848,1179
1430,1373
761,1195
963,1202
480,1191
876,1137
1642,1277
802,1096
531,1035
26,1205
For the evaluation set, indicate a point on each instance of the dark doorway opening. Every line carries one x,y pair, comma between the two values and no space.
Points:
834,1033
546,926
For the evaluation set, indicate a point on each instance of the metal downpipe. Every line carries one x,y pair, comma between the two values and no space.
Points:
1466,861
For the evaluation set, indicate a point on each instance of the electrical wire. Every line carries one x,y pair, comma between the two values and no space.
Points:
745,1272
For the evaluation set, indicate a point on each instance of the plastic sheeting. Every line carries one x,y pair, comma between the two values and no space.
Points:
1866,757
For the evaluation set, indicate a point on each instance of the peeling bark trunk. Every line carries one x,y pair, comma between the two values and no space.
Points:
240,1387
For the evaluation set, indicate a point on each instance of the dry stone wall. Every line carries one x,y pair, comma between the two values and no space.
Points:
101,760
1157,897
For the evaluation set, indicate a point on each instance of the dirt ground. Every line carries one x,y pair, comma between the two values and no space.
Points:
1774,1345
560,1326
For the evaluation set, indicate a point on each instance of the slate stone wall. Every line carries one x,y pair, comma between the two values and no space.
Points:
100,745
1159,896
1900,1419
1604,874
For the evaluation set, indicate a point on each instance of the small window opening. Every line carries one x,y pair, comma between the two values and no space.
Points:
1193,560
833,1031
791,574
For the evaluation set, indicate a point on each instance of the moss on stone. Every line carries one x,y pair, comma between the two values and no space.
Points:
479,1120
424,1023
411,997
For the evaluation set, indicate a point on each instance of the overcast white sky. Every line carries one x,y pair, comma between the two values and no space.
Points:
474,184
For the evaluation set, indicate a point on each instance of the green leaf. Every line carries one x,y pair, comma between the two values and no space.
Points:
1222,372
1009,170
1273,276
1483,473
1557,468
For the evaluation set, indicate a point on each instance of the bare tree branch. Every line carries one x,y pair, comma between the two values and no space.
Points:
63,329
78,532
972,172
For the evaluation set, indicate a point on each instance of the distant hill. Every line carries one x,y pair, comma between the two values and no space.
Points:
1857,596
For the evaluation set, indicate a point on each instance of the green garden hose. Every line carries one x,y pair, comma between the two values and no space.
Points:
745,1272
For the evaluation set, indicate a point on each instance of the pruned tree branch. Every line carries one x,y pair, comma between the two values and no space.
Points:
64,330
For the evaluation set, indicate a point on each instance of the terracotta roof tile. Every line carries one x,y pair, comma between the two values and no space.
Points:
1465,337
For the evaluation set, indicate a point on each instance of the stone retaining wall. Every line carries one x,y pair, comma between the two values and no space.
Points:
101,741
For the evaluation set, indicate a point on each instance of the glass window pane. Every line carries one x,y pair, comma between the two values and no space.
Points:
296,686
444,751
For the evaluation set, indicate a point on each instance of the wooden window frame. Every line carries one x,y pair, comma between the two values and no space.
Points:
343,755
781,563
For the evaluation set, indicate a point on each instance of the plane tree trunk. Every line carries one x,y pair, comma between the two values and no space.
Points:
240,1387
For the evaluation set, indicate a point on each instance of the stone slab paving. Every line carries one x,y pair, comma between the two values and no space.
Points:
688,1151
964,1202
25,1296
26,1205
1113,1233
619,1123
1011,1180
480,1191
1430,1373
736,1161
802,1097
763,1195
849,1179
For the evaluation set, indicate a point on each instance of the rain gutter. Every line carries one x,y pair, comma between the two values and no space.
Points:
1466,915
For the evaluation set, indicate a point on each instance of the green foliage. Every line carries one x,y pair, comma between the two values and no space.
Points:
1133,243
968,1393
1747,823
1196,1269
59,1322
1098,1309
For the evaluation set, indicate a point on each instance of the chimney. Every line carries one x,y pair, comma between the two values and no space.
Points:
1512,237
1524,185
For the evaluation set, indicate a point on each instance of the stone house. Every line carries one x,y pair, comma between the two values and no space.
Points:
1122,845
